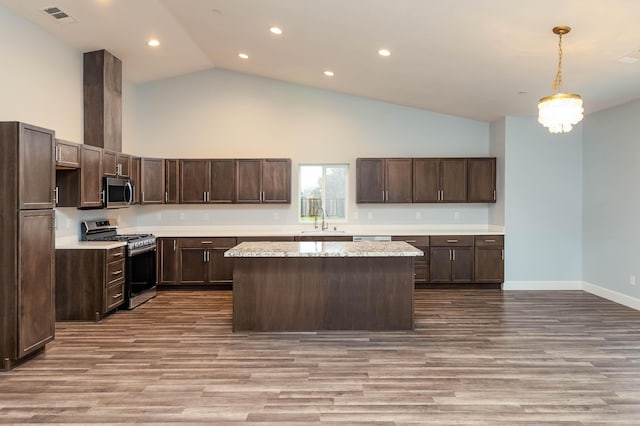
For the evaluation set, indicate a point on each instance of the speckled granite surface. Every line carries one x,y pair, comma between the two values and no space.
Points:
324,249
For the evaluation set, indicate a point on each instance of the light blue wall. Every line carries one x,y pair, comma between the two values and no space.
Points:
543,203
611,232
222,114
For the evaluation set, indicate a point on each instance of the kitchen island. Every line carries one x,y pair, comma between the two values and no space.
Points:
308,286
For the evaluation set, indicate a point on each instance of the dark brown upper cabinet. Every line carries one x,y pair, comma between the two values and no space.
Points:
481,180
383,180
116,164
135,178
152,181
67,155
102,93
90,177
263,181
207,181
171,184
438,180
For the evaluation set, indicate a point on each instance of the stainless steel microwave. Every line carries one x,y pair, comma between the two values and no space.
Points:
117,193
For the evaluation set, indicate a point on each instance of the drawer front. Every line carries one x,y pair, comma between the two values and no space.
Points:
115,272
116,254
245,239
417,241
67,155
452,241
114,297
204,243
489,240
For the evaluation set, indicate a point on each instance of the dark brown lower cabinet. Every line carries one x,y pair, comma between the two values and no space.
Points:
89,283
451,259
202,261
167,260
489,259
421,264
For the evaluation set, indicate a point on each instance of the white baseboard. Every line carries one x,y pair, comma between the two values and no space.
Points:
542,285
614,296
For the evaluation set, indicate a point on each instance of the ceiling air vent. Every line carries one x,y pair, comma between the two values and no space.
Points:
58,15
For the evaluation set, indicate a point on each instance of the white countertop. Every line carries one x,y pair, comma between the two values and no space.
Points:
308,230
324,249
73,244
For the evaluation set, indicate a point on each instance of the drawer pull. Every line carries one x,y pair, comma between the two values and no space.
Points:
116,272
452,241
409,241
489,241
206,242
117,296
117,254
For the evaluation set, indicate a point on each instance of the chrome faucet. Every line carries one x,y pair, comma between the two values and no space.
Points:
324,225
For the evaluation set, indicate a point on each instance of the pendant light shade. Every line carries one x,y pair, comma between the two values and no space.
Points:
561,111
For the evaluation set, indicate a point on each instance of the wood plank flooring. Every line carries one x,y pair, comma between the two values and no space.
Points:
476,357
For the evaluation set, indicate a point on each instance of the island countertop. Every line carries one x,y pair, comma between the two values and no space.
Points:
324,249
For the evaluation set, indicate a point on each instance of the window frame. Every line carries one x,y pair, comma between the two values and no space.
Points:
323,195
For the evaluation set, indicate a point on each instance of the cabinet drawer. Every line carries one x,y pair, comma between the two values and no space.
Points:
67,154
418,240
115,272
114,297
489,240
251,239
217,242
115,254
452,241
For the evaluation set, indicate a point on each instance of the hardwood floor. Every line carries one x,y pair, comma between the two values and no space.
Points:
476,357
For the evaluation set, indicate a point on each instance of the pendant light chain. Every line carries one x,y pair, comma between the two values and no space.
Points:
557,82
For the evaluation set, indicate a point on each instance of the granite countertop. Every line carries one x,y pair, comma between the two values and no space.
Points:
324,249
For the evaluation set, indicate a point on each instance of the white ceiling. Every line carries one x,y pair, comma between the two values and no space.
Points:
481,59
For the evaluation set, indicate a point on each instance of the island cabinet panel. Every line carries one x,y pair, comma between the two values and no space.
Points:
202,261
481,180
167,260
451,259
421,264
171,184
152,181
323,293
67,155
89,283
383,180
489,259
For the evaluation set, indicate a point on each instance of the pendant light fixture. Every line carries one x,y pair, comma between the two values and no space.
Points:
560,111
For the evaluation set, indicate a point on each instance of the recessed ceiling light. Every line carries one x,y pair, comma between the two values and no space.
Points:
384,52
275,30
329,73
153,42
243,55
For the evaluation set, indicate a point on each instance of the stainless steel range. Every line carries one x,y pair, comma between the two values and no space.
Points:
140,266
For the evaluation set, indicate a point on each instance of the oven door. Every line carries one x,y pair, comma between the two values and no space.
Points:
141,281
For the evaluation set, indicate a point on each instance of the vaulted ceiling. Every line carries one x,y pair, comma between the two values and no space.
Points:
481,59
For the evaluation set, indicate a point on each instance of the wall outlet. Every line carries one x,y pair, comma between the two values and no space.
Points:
632,280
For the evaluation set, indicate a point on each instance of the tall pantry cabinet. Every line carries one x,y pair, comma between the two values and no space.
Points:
27,181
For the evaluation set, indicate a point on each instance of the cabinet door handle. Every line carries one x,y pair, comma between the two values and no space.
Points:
117,272
204,197
450,255
208,196
117,296
55,195
502,254
208,256
174,245
204,255
454,254
142,197
494,195
166,197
